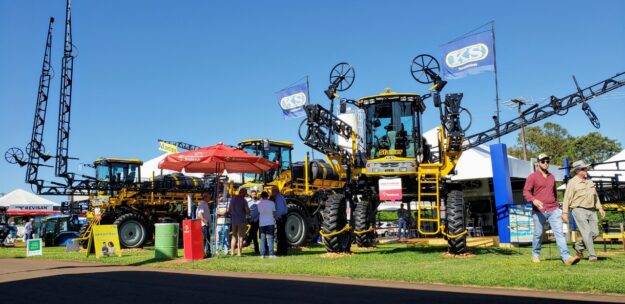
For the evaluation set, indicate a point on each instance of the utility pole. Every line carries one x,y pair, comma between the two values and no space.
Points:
520,102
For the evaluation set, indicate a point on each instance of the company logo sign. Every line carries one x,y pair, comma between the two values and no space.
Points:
293,101
465,55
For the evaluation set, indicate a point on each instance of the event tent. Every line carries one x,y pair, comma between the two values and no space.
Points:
475,163
609,170
21,202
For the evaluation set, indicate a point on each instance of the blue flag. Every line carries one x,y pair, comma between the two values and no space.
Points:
467,56
292,100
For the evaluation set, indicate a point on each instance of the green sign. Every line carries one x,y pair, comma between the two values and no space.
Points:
33,247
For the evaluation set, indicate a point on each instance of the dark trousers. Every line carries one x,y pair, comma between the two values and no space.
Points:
207,242
282,243
253,235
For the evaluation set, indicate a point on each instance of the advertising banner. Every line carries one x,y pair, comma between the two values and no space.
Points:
169,148
33,247
390,189
106,241
469,55
292,100
521,224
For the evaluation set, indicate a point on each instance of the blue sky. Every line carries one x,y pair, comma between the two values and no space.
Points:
206,71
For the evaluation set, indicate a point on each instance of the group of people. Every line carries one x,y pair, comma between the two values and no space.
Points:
580,198
264,213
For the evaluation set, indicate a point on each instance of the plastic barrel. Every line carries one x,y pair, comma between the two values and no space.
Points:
166,240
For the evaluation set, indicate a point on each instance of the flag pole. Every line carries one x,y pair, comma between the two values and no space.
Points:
308,96
496,81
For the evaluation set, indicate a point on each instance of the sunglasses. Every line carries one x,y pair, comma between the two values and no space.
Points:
544,161
583,169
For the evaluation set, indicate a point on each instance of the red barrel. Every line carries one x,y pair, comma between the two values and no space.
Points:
193,243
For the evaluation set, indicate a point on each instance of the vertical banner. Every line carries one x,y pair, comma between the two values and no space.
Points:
106,241
469,55
292,100
33,247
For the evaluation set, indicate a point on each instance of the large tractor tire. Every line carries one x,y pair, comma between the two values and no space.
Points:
362,216
334,220
456,224
81,231
133,230
296,225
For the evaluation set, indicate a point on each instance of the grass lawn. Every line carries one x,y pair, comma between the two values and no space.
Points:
489,266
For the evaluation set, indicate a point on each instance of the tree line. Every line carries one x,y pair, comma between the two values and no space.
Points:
556,141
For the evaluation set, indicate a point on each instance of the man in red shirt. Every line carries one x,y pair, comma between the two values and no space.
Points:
540,190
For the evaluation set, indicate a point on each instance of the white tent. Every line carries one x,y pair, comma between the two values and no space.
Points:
607,171
23,202
475,163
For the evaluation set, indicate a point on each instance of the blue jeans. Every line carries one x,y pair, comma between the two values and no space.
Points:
223,238
555,221
206,236
401,231
266,234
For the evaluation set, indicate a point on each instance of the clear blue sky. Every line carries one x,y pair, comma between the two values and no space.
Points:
206,71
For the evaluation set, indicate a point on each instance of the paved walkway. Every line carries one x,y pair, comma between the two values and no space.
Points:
34,281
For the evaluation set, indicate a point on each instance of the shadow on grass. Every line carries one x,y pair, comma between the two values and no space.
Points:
425,249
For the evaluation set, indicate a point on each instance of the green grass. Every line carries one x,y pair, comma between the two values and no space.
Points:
492,267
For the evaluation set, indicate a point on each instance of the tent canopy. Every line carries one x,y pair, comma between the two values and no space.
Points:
21,202
475,163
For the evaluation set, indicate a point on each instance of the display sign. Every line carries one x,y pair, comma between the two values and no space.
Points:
33,247
521,224
169,148
106,241
390,189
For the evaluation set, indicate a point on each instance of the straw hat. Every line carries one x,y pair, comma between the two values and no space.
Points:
580,164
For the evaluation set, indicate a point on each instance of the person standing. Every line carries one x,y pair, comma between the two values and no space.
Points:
280,215
202,212
223,227
253,220
581,197
540,191
238,211
401,221
28,230
267,223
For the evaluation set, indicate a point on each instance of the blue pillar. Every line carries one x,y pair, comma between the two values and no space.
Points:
567,176
503,190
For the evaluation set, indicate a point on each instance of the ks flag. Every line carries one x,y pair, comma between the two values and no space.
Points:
467,56
292,100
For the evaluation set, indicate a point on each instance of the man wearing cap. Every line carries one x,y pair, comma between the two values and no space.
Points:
540,190
581,197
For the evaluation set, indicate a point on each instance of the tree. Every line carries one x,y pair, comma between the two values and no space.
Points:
556,141
551,138
593,148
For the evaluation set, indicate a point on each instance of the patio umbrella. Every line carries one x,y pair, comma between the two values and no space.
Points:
216,159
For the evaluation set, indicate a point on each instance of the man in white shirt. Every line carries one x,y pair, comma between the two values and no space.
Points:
203,214
267,223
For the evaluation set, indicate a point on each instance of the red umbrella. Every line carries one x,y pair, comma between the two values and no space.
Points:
216,159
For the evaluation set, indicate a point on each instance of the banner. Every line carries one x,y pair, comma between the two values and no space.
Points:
292,100
106,240
521,224
33,247
467,56
169,148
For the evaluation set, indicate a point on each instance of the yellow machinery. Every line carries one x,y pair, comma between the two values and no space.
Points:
300,182
133,204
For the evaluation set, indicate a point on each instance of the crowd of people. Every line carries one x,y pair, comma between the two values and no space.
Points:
264,213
